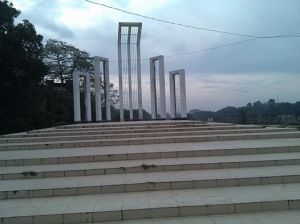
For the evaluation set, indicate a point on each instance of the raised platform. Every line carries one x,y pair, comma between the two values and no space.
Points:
156,172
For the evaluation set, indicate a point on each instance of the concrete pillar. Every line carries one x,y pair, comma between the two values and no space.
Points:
153,84
107,89
120,76
97,89
129,74
183,94
129,36
172,95
152,88
182,87
105,64
76,97
139,73
88,108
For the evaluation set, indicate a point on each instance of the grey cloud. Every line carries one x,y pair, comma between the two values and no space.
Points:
42,14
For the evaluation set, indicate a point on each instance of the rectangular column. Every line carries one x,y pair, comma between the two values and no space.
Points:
107,90
76,97
120,77
183,94
88,114
129,74
162,87
172,95
139,73
97,89
152,88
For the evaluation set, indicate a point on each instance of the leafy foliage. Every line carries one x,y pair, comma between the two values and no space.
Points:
22,71
62,59
257,112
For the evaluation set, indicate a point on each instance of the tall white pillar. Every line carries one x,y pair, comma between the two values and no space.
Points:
120,75
161,82
172,95
129,74
129,36
88,108
76,97
139,79
107,89
152,88
183,94
97,89
105,68
182,89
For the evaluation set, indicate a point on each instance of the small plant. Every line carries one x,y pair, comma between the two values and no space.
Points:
29,173
146,167
122,168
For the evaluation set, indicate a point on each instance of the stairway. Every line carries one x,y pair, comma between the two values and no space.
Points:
151,172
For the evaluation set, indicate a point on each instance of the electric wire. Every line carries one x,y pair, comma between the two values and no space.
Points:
191,26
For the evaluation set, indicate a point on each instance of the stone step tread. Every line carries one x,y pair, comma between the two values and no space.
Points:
155,177
153,148
99,132
137,128
128,123
142,123
122,130
267,217
85,128
134,135
121,202
150,162
121,140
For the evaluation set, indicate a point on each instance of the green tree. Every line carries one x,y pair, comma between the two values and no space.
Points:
62,59
22,71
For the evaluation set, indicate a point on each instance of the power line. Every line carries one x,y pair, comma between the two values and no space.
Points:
190,26
212,48
207,49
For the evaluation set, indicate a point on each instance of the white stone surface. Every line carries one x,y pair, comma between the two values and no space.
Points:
126,149
240,174
156,162
158,133
277,217
148,200
156,177
148,140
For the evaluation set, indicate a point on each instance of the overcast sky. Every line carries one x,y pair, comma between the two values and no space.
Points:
230,76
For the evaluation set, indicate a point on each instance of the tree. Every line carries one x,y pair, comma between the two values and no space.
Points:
22,71
62,59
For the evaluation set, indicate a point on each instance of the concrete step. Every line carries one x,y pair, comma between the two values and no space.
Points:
124,127
267,217
156,181
155,204
54,133
136,128
145,140
129,124
141,152
142,135
149,165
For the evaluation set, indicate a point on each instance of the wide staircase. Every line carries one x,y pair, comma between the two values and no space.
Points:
151,172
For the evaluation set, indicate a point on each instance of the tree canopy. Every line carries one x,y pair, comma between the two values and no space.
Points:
22,70
256,112
62,59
